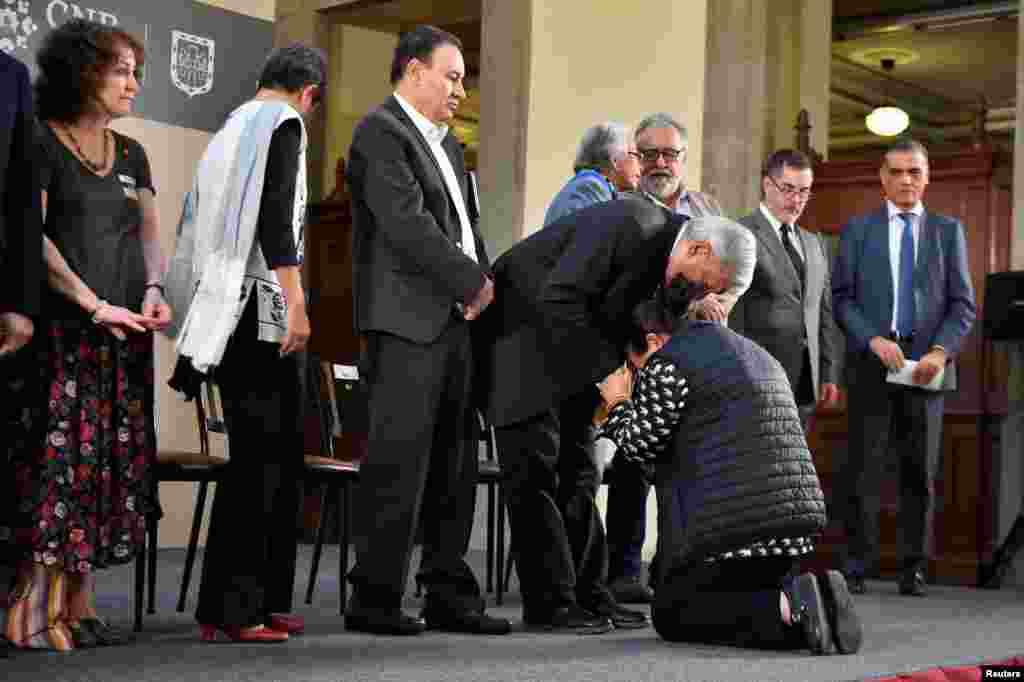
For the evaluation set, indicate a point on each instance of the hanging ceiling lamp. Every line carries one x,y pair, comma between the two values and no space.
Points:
887,121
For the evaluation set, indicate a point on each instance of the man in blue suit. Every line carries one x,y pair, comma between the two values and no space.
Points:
901,291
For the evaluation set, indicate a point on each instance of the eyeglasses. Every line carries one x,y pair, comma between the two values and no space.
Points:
787,190
667,153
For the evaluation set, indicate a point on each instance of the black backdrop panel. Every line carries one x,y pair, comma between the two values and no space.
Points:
201,61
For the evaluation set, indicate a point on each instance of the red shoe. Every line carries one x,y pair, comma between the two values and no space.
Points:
262,635
287,622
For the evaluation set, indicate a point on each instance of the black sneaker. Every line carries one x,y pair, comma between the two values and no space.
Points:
620,616
807,609
629,590
847,632
572,619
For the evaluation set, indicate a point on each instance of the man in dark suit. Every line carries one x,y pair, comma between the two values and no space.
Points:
902,292
420,277
562,313
21,259
788,307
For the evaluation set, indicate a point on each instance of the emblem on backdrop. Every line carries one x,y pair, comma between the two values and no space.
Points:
16,25
191,63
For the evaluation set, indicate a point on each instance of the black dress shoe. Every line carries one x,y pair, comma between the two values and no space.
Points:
573,619
807,611
383,621
472,622
855,583
912,583
621,617
629,590
847,633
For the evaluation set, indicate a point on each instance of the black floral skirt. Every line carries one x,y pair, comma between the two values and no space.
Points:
81,447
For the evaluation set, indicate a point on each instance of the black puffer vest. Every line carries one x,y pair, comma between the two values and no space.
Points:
738,470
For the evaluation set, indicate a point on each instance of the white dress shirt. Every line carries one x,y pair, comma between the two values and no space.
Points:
777,226
435,134
896,227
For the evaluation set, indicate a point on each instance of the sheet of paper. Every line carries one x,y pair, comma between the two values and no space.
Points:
905,377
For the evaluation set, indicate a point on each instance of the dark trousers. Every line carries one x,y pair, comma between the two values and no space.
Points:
420,470
549,483
19,385
889,422
732,602
628,486
249,562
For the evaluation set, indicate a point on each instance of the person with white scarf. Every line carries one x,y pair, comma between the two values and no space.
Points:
235,278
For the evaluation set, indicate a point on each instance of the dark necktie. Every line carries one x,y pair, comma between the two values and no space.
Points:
906,313
798,263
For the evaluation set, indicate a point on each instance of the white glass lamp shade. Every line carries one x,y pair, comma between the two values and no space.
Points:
887,121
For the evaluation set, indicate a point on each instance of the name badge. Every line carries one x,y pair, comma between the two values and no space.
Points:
128,185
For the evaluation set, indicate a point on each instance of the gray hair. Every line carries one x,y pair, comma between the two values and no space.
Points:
602,145
660,120
734,244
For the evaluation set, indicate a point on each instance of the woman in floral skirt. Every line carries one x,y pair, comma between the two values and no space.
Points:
84,449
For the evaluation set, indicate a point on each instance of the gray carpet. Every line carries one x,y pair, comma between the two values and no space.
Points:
951,626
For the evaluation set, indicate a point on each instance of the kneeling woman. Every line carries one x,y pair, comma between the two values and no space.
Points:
738,496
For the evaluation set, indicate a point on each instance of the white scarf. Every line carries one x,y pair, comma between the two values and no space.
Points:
217,259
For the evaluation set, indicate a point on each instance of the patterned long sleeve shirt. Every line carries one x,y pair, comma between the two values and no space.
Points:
643,426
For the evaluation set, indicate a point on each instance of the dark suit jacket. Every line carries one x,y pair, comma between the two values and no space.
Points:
944,296
21,247
563,303
772,313
408,270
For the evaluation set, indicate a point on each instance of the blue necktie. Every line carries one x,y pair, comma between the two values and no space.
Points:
906,313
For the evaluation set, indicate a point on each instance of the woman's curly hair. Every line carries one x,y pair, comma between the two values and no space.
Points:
73,61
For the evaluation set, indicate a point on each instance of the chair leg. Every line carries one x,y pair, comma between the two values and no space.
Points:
489,585
153,525
140,581
501,579
193,544
321,529
345,524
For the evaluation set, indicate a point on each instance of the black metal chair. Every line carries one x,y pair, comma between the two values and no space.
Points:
336,478
490,476
202,467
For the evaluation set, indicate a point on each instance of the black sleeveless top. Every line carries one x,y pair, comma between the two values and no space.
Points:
95,221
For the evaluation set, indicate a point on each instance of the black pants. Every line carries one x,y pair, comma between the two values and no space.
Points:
733,602
249,563
420,470
549,483
889,422
19,387
628,486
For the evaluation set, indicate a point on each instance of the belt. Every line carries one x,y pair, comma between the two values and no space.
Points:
901,338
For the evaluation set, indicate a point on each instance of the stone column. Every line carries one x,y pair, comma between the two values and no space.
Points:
360,63
549,71
300,21
815,71
734,96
